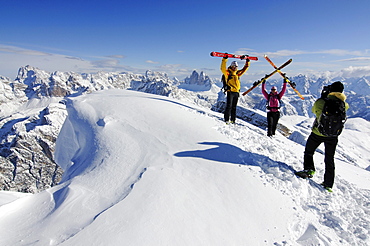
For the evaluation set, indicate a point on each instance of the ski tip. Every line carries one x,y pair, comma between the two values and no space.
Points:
212,53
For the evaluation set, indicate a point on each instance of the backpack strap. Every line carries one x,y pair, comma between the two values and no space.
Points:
225,81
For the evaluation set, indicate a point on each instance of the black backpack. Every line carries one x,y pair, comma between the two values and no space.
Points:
225,87
332,118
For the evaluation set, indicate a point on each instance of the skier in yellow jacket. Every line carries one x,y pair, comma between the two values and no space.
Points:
232,75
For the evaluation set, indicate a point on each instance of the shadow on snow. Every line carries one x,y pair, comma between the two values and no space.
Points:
227,153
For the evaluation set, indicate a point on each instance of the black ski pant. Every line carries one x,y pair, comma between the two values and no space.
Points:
272,120
330,143
231,102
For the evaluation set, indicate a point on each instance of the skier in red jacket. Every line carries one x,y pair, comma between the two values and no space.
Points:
273,105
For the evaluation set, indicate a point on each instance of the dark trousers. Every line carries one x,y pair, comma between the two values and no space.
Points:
330,143
272,120
231,102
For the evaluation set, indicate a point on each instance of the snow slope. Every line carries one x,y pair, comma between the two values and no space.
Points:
142,169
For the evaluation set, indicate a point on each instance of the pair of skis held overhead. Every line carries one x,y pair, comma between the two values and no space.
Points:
258,82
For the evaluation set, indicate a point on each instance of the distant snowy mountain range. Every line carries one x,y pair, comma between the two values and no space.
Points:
33,111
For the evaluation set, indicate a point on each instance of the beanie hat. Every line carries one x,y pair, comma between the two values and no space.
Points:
336,87
234,63
274,88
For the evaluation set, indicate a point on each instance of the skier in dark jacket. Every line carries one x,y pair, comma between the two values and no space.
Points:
273,105
316,138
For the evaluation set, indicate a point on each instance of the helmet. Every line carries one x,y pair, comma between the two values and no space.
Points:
234,63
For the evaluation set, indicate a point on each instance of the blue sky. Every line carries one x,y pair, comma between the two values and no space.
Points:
176,37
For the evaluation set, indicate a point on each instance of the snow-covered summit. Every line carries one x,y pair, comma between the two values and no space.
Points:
142,169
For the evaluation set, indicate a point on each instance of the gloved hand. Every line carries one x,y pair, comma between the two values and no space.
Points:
244,57
325,91
225,57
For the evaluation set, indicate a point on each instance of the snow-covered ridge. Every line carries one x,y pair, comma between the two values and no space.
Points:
33,110
133,178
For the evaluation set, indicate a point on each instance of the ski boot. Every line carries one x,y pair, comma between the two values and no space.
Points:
305,174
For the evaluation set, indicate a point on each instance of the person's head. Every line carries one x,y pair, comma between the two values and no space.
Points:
273,89
234,66
337,87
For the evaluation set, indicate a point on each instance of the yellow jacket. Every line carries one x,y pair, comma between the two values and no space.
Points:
234,81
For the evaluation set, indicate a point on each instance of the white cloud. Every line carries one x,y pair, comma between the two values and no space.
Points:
106,63
336,52
351,71
355,71
170,66
151,62
243,51
10,63
17,50
355,59
12,58
175,70
284,53
340,52
116,56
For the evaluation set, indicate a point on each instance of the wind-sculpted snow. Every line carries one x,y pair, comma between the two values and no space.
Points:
141,169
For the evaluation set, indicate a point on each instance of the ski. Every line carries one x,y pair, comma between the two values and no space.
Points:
285,77
219,54
255,84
